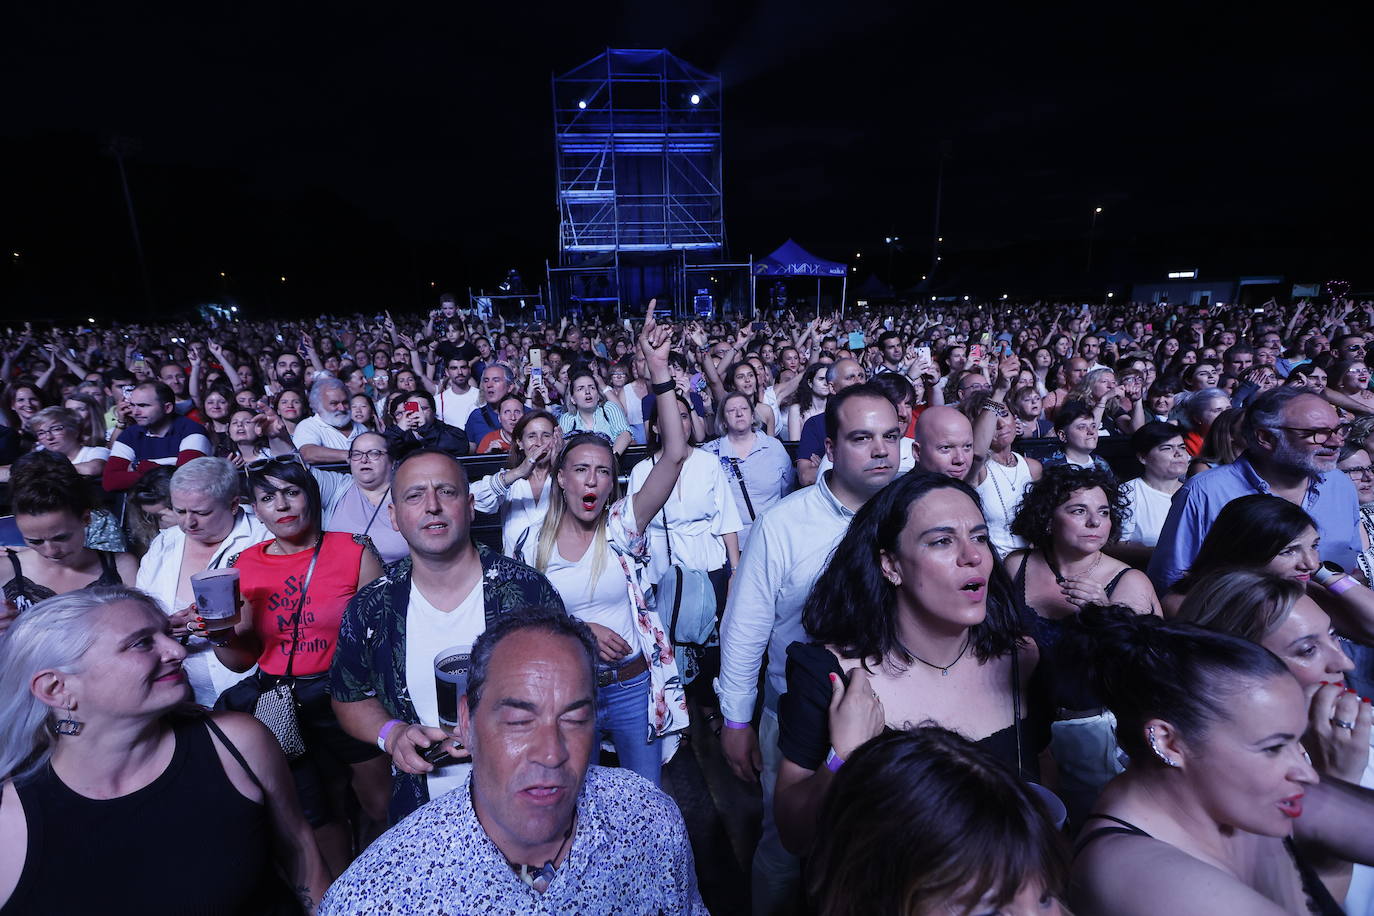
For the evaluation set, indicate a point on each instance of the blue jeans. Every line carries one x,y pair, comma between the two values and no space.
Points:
622,714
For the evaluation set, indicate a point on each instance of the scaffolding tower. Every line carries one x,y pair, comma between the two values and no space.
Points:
637,137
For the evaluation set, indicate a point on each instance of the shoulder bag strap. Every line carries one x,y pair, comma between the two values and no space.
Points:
377,509
748,503
300,606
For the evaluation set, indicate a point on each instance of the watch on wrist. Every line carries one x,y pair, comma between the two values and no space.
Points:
1327,572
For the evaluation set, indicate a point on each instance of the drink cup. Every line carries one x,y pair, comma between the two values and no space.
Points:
217,597
451,682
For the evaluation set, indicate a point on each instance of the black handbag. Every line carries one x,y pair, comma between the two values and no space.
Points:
275,704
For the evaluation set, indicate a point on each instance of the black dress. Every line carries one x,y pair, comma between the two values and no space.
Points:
804,714
187,843
24,593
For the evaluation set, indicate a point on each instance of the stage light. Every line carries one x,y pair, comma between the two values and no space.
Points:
888,239
233,308
932,298
939,257
858,254
966,298
695,99
581,103
940,239
90,320
1004,295
1097,210
283,279
1110,295
221,273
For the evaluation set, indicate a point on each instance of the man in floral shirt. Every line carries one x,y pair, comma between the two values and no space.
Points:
538,829
442,596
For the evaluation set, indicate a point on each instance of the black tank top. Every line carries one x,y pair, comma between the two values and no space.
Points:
24,593
1319,899
186,843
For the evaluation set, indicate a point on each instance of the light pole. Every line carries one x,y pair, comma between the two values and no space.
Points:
1092,229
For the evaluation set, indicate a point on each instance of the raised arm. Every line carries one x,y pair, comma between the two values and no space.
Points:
654,342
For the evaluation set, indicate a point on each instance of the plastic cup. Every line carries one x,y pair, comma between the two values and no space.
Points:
451,682
217,597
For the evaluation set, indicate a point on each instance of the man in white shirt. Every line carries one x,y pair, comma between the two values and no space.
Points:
458,397
325,437
788,548
442,596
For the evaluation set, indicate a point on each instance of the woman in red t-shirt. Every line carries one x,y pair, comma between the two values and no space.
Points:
273,576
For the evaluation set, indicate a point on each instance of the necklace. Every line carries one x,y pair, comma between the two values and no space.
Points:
943,669
541,877
1058,577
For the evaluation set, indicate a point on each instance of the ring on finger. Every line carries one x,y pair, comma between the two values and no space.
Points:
1341,723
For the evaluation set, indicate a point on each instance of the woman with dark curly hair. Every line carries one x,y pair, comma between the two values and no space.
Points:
913,622
1067,518
926,821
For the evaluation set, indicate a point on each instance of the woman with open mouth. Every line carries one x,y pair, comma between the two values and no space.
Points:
1205,816
591,546
914,623
1278,614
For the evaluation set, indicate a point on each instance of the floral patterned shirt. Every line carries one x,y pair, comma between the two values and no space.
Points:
629,854
370,655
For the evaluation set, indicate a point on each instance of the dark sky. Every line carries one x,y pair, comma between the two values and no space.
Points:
366,150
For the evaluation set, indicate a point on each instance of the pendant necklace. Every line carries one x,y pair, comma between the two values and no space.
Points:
943,669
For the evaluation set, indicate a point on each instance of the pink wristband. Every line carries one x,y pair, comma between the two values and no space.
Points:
833,761
386,730
1342,584
730,723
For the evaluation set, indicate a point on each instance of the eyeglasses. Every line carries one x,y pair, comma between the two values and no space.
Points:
371,454
49,431
1318,435
1362,471
276,461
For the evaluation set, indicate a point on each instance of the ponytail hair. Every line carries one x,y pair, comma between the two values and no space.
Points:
1147,668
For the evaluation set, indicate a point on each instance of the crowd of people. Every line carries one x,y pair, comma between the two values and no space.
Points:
1006,610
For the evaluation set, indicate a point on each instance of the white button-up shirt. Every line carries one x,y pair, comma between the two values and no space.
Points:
700,510
788,548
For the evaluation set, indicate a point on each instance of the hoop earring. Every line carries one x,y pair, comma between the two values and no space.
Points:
68,725
1169,761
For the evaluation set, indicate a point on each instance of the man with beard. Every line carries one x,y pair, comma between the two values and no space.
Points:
538,828
1292,441
289,369
788,547
325,437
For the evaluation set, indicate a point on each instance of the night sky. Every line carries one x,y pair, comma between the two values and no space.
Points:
366,151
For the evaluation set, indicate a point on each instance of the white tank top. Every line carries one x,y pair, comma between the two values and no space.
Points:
1001,492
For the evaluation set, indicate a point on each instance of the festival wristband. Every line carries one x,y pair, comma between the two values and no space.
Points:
731,723
1342,584
386,730
833,761
662,387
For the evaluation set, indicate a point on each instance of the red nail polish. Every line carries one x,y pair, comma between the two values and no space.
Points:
1349,690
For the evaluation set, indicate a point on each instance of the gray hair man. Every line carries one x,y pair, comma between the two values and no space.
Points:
324,438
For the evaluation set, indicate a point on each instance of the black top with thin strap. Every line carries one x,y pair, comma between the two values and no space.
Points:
24,593
803,714
1068,685
1319,899
187,843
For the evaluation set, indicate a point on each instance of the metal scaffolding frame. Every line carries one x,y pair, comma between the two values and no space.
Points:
637,139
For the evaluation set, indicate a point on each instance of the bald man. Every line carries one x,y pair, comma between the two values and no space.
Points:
842,374
943,442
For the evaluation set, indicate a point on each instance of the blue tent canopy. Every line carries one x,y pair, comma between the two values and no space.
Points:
792,260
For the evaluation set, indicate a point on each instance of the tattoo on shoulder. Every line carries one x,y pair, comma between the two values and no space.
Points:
303,897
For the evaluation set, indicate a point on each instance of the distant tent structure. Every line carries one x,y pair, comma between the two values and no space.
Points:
792,260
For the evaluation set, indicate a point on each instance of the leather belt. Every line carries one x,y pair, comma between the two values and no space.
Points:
605,677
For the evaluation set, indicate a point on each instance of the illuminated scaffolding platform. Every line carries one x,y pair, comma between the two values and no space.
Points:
637,138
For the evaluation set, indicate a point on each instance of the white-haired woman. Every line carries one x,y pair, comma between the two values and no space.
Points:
112,784
210,529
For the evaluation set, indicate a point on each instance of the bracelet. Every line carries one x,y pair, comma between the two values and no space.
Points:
833,761
662,387
386,730
1342,584
731,723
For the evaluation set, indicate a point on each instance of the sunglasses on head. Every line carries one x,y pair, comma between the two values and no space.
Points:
267,465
